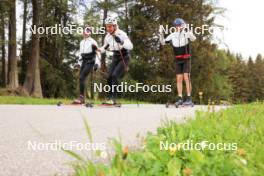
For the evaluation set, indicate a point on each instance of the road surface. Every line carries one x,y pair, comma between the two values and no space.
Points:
28,133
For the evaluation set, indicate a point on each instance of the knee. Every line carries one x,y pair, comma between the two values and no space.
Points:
179,78
186,77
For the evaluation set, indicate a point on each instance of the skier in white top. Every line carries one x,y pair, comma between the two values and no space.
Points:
180,41
118,42
90,62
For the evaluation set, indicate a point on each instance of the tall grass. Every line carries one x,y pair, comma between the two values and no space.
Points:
241,124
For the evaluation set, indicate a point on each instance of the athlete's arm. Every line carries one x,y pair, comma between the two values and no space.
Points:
105,46
127,44
95,49
191,36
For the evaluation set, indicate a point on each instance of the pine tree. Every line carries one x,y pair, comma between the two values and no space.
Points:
259,78
239,81
251,76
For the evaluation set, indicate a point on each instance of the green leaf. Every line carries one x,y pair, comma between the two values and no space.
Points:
87,128
74,155
196,157
174,167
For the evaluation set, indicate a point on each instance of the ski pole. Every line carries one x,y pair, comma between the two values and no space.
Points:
190,83
103,73
123,60
188,47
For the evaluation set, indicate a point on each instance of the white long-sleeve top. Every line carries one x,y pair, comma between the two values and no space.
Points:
86,48
178,39
113,45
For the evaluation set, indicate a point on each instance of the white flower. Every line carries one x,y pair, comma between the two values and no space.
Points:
103,154
243,161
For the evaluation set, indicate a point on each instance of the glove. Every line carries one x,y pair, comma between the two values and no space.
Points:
94,48
95,67
77,66
118,40
186,29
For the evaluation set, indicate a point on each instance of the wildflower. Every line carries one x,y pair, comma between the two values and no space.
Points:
243,161
172,150
187,171
241,152
103,154
100,173
125,153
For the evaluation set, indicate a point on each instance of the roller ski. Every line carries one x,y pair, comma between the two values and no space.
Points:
60,103
88,105
178,103
110,103
77,102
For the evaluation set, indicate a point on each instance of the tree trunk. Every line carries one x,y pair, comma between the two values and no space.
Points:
23,55
126,15
32,84
3,52
12,58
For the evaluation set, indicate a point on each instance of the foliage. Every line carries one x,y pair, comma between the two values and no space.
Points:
226,126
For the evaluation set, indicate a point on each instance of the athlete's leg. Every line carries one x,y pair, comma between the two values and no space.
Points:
109,77
86,69
179,78
118,73
187,79
187,83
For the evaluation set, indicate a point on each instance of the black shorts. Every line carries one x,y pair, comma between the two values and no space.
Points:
183,66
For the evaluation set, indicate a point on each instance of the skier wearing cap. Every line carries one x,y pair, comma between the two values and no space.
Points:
90,62
180,41
118,42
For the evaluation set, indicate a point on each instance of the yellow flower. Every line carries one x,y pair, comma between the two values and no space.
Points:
172,150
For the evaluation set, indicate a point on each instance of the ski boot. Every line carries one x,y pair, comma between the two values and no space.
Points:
79,101
179,102
188,102
110,101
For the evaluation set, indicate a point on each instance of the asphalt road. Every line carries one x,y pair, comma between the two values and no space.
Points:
28,133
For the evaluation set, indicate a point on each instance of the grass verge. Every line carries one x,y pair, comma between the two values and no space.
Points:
242,125
48,101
